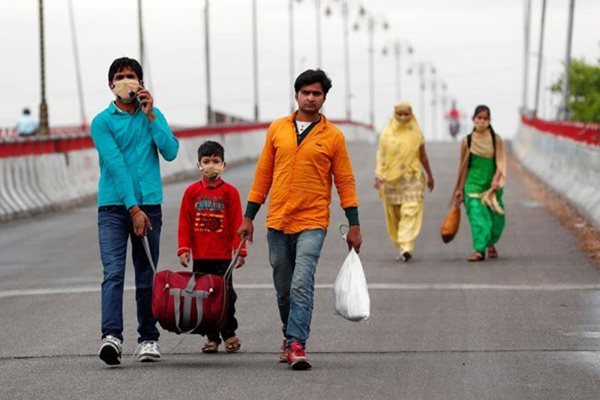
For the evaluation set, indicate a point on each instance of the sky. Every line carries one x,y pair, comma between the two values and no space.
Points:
476,48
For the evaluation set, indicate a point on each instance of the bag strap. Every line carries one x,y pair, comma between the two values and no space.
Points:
146,245
236,255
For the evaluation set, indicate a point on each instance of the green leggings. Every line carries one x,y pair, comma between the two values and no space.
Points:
486,225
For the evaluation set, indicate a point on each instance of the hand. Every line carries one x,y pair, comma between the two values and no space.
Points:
459,196
146,103
430,183
240,262
354,238
141,223
246,230
495,185
184,259
377,183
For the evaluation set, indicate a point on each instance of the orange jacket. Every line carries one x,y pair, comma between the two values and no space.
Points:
300,177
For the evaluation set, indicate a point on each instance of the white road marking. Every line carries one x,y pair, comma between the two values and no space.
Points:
372,286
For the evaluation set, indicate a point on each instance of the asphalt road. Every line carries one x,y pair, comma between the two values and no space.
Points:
525,326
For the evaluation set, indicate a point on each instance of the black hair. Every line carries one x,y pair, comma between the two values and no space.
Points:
26,111
125,62
483,108
210,148
311,76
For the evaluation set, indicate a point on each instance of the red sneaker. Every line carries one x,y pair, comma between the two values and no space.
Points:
297,358
283,356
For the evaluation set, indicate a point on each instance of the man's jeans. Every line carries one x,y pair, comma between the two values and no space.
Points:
114,230
294,260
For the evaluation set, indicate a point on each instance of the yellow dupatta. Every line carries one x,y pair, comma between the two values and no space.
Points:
397,163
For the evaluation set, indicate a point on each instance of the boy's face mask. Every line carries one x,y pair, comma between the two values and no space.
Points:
125,90
212,171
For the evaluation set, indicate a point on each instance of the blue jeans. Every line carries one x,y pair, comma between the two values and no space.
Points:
294,260
114,230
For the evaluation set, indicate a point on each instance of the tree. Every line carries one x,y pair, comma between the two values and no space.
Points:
584,91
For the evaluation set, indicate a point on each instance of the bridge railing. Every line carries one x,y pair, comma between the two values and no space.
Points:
38,174
565,156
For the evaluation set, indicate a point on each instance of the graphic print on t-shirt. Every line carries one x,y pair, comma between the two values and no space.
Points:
209,214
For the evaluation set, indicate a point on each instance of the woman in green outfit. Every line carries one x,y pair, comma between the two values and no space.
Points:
480,184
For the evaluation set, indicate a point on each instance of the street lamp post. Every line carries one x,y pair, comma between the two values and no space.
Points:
209,110
346,47
292,58
526,56
255,58
540,59
371,24
77,66
141,33
319,37
44,130
397,46
422,67
565,110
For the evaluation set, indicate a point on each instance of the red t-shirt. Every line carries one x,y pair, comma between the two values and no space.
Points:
209,218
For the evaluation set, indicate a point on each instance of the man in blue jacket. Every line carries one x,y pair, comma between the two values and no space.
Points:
129,135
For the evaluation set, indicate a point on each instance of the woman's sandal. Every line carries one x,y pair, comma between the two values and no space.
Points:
477,256
233,344
210,347
492,252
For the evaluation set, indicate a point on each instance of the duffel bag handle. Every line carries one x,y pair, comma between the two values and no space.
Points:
147,250
236,255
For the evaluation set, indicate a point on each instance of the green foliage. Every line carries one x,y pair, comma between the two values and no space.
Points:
584,91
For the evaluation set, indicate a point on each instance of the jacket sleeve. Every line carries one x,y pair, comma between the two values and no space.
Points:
112,159
185,232
163,138
236,218
263,177
343,175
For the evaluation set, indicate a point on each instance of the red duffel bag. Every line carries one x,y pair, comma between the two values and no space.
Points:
188,302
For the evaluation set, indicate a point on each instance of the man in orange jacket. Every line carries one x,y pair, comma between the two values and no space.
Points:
303,154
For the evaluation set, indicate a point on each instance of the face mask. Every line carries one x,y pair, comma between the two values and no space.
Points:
125,90
404,119
212,171
481,126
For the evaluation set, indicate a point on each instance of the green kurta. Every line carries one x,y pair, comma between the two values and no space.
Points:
486,224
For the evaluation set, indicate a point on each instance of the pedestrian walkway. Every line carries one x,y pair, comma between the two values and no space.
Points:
525,326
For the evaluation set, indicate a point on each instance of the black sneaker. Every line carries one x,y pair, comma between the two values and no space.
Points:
110,351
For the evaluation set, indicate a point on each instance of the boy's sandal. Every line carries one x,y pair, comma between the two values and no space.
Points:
210,347
492,252
477,256
233,344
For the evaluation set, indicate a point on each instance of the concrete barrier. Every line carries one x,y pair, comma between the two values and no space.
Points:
40,174
566,158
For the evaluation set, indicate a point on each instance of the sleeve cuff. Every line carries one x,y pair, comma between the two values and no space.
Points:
251,210
352,215
182,250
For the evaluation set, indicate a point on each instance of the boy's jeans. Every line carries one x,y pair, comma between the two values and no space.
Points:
114,230
294,259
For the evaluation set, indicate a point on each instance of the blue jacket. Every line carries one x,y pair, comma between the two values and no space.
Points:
128,146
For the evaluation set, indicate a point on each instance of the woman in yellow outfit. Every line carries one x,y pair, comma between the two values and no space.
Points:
399,177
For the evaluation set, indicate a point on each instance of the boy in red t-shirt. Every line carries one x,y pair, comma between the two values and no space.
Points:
209,217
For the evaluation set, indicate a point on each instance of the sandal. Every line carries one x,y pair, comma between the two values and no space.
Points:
406,256
492,252
477,256
210,347
233,344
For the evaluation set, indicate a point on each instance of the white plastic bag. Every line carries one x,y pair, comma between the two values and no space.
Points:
351,295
